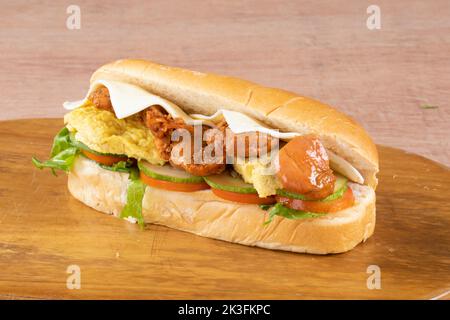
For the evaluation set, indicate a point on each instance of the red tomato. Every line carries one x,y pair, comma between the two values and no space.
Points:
251,198
346,201
106,160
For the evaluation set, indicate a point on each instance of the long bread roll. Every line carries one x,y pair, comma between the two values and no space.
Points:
205,214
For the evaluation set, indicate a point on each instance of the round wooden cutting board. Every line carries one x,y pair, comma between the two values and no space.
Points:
45,233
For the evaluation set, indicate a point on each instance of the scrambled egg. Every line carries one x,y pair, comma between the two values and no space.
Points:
101,131
260,175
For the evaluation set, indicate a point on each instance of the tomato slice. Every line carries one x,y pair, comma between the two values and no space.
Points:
106,160
173,186
346,201
251,198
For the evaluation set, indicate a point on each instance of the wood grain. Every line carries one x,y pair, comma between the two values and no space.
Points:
319,49
44,230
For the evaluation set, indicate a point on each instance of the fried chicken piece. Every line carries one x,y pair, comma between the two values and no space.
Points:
101,99
162,125
249,144
203,160
253,144
202,169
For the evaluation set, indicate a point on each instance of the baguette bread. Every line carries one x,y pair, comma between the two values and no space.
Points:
207,215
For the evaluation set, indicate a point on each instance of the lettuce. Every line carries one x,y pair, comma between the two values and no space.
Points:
135,194
62,155
336,195
121,166
280,210
265,207
61,142
64,151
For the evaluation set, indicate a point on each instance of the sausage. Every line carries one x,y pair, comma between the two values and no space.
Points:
304,168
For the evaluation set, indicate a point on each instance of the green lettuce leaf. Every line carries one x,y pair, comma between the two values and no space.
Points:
61,142
280,210
337,195
63,153
265,207
135,194
121,166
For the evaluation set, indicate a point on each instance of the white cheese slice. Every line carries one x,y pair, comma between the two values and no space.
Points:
344,167
128,99
241,123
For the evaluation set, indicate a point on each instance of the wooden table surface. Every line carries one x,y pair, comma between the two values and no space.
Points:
43,231
321,49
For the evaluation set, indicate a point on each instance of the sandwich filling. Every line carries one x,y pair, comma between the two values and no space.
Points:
239,158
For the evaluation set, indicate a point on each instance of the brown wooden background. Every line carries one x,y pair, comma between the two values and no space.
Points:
318,48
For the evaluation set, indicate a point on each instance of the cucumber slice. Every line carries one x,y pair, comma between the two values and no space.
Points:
289,194
226,182
81,145
167,173
341,182
340,187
